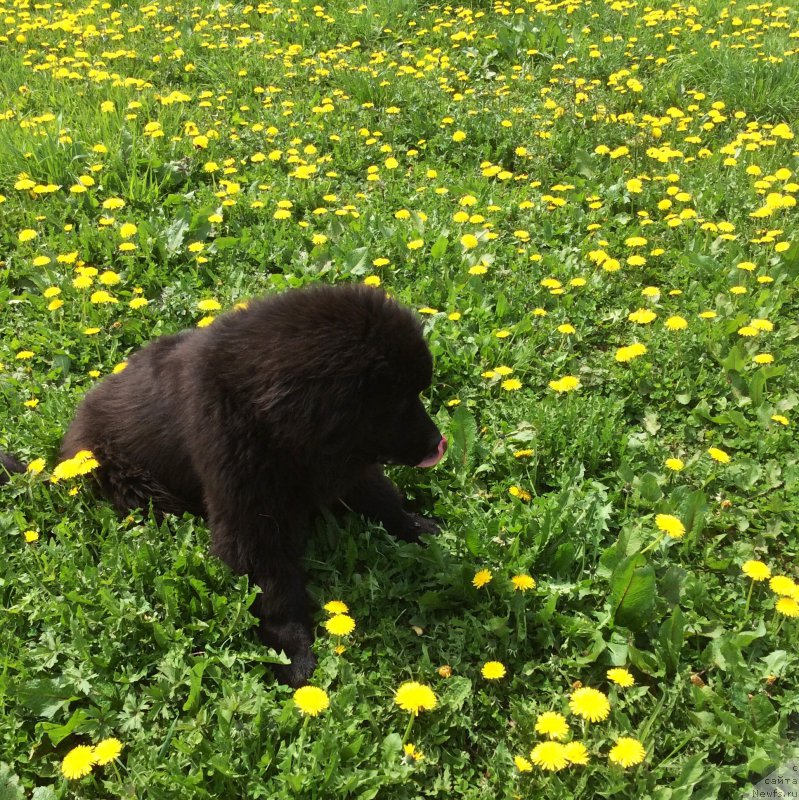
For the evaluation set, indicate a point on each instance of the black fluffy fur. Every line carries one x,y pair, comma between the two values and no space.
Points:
258,421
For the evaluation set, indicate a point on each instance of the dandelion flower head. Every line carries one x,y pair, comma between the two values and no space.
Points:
590,704
621,677
415,697
311,700
627,752
756,570
493,670
550,756
552,724
78,762
106,751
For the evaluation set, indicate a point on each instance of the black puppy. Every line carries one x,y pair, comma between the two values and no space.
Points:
255,422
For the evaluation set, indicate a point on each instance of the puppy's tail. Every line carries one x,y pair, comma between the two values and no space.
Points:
9,465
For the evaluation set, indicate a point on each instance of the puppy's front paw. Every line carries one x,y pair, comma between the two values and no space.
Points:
425,525
298,672
415,526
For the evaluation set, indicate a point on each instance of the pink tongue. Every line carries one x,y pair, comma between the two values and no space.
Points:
431,461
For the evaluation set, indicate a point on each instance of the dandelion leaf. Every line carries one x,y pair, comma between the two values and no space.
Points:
463,435
632,588
10,787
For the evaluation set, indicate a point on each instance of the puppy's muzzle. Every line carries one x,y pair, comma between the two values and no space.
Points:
434,458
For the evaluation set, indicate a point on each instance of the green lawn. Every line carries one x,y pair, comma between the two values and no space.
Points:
593,205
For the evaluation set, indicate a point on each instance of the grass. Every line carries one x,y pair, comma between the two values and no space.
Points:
506,172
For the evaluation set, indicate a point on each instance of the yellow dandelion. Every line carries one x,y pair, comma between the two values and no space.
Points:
552,724
550,756
590,704
78,762
493,670
676,323
642,316
756,570
576,753
521,494
106,751
522,764
670,525
36,466
482,578
82,463
627,752
788,607
782,585
568,383
311,700
412,752
340,625
762,324
629,352
621,677
109,278
717,454
336,607
523,583
674,464
102,297
415,697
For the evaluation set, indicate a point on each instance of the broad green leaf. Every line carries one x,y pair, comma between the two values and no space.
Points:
462,438
439,247
44,697
649,488
671,640
632,587
10,787
757,387
57,733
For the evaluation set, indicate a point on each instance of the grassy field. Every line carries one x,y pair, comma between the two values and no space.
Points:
593,205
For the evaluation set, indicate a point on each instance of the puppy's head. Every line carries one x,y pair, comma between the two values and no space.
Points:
360,363
397,368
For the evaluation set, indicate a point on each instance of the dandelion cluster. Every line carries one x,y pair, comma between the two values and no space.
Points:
589,705
80,760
